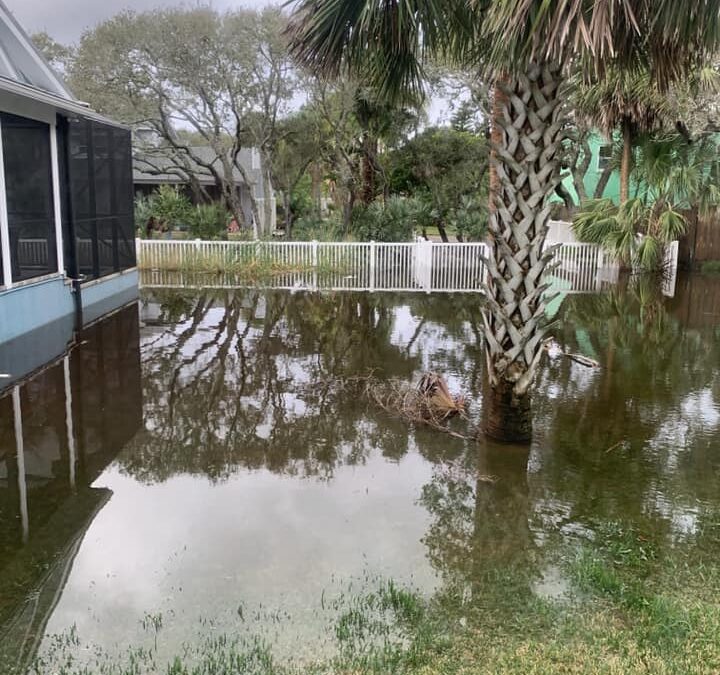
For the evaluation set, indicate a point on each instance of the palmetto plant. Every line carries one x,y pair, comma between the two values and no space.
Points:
634,232
673,175
528,47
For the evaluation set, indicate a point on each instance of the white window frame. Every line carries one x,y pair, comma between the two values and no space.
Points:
5,261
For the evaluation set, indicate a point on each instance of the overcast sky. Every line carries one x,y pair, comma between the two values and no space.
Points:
65,20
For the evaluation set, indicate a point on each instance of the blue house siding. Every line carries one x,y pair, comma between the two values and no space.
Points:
27,308
106,295
37,321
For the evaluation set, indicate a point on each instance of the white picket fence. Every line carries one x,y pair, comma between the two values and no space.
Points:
357,266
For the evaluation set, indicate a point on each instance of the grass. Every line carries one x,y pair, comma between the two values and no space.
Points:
629,610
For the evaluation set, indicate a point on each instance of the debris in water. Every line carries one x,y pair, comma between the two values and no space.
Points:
429,402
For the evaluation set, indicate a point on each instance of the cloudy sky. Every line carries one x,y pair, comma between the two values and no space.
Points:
65,20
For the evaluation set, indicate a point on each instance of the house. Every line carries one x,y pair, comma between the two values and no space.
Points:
601,150
67,252
153,167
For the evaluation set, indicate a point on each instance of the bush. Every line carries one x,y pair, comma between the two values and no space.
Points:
209,221
143,213
393,221
167,206
314,228
470,218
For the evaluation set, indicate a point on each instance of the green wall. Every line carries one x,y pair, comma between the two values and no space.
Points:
592,177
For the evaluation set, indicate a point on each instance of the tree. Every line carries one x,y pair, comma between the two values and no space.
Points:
631,101
223,80
442,166
59,56
298,145
528,47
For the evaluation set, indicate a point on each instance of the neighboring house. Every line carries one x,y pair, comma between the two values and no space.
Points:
152,168
601,156
67,251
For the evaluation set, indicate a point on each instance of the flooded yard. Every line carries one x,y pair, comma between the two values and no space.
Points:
198,471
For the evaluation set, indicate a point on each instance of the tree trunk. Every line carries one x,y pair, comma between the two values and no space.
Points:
288,215
626,160
602,183
268,194
442,232
368,168
527,147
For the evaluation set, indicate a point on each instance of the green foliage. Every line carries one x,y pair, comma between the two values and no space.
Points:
171,209
168,206
447,169
633,232
393,221
143,211
673,174
209,221
470,218
439,158
301,199
311,227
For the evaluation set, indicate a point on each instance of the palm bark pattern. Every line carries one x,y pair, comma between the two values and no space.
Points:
527,165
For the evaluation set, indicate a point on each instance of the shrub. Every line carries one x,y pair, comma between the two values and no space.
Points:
166,206
393,221
170,207
470,218
313,228
633,232
209,221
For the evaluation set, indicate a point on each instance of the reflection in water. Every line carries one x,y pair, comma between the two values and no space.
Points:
58,433
252,479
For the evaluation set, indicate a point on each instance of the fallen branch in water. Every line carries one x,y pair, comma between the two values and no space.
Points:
430,403
554,349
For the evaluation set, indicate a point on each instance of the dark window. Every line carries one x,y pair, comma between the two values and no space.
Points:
604,156
100,191
29,194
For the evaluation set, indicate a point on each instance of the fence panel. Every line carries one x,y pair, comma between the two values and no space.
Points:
407,266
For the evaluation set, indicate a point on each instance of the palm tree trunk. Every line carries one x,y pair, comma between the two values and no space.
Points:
626,160
528,136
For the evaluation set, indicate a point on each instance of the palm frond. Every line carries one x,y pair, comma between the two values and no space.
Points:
649,253
386,43
671,225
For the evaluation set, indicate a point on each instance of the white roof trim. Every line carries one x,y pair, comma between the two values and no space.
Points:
7,17
57,102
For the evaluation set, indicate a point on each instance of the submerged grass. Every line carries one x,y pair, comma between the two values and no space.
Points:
628,610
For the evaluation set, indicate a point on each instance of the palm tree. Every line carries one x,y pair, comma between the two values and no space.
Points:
632,101
528,46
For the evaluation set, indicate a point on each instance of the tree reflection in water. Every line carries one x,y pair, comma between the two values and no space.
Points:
250,379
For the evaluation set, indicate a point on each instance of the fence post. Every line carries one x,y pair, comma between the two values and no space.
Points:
599,269
430,253
372,265
138,252
315,264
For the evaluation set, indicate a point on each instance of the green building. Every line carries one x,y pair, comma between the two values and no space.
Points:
601,150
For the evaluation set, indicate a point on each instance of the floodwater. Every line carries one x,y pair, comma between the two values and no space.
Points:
205,461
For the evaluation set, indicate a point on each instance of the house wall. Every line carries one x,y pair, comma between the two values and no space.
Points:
38,317
38,320
593,175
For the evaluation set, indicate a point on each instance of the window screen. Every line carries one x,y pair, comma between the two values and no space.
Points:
29,194
100,191
604,156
